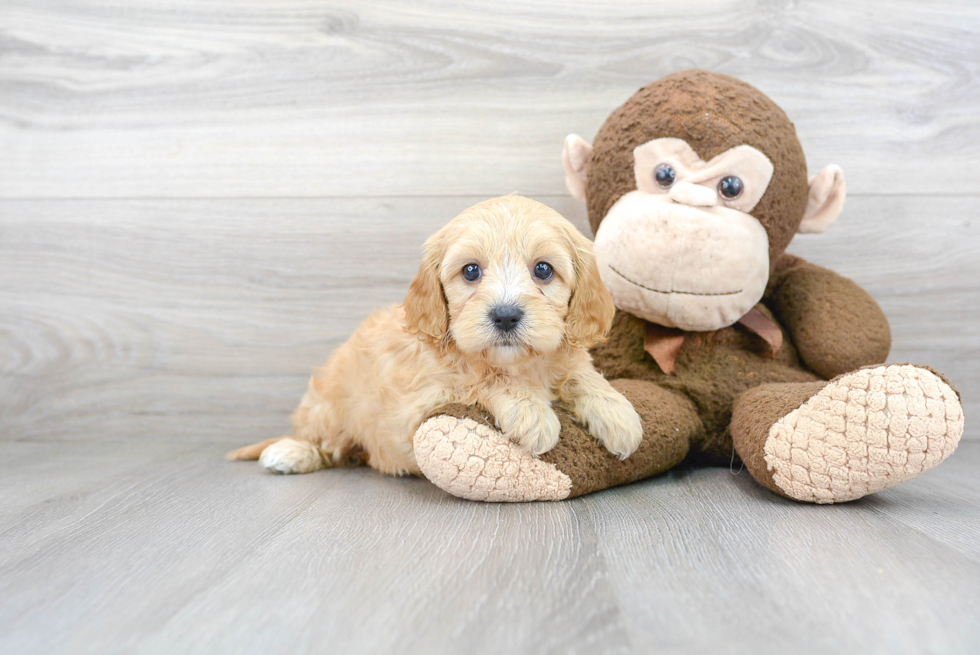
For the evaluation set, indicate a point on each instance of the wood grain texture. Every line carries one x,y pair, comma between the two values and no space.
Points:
165,548
201,319
752,572
303,98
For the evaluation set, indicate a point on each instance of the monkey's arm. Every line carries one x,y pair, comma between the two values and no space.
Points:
836,326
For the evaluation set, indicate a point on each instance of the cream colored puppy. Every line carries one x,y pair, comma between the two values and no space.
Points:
500,314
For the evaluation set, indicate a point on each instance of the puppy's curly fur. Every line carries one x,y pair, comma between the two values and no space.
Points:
448,344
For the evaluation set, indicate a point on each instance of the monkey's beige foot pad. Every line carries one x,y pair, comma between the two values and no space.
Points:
864,432
474,461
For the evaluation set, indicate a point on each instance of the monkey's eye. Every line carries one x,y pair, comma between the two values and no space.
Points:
471,272
730,187
543,271
665,175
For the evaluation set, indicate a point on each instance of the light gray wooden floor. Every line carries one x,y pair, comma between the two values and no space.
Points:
200,199
122,546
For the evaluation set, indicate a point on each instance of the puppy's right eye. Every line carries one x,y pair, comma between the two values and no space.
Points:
471,272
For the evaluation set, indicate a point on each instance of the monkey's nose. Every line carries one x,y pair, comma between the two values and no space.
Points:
693,195
506,318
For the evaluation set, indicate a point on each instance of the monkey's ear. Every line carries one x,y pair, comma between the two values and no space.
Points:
426,312
575,159
824,201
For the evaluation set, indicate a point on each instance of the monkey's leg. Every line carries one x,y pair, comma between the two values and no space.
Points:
461,451
862,432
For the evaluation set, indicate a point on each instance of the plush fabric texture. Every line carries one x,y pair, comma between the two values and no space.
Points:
837,326
821,442
860,433
711,369
576,157
696,176
694,268
761,323
755,413
688,416
663,343
712,113
824,201
470,460
671,420
817,419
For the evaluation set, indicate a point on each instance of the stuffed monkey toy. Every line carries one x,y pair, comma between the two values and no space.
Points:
722,341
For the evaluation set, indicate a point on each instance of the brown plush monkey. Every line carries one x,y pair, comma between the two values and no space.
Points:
695,187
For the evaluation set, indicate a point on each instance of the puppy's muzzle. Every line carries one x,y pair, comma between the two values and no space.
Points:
506,318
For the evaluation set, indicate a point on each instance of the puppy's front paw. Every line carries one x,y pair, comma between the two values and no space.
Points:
614,422
291,456
533,425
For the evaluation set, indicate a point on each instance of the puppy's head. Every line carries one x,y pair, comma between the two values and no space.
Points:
509,279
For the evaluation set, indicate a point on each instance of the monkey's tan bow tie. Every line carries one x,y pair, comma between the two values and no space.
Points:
664,343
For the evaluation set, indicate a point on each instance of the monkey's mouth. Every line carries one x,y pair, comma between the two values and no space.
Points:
685,293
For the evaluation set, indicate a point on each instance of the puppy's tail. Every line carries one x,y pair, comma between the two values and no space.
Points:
250,452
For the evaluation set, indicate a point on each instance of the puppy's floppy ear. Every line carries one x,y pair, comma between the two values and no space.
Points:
591,309
426,311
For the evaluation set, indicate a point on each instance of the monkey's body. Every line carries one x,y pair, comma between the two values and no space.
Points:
713,369
817,417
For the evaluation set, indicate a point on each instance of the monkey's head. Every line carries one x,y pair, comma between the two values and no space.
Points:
694,188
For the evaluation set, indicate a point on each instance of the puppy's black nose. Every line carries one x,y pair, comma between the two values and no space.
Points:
506,318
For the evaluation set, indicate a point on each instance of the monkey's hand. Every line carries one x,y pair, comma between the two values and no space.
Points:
836,325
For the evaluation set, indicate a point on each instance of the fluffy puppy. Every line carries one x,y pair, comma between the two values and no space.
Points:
501,313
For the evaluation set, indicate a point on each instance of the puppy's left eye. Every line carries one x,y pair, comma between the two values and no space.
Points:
471,272
543,271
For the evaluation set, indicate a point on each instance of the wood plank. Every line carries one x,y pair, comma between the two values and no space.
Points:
940,503
212,556
50,490
200,319
36,470
190,98
194,554
89,572
704,561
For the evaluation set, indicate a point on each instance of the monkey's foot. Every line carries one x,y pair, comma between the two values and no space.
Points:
472,460
864,432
